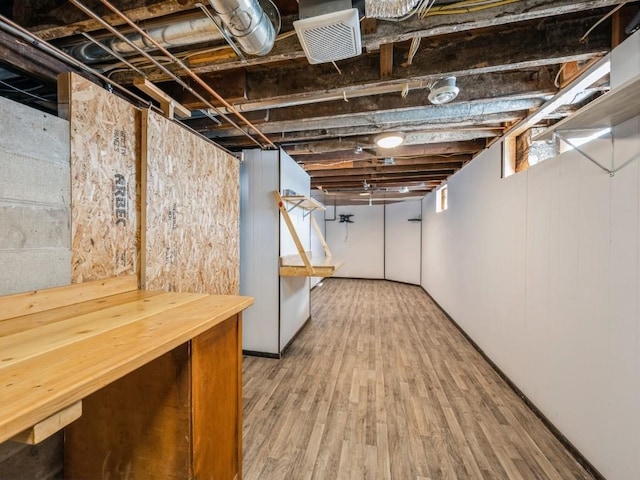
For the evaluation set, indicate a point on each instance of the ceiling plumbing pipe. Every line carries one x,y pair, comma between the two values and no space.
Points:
177,34
18,31
243,19
161,67
180,63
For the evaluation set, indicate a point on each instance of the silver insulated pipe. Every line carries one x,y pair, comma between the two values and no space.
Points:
178,34
244,19
248,23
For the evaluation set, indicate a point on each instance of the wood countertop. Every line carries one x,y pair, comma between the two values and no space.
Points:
51,359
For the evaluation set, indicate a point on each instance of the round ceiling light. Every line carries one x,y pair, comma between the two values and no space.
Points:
444,91
389,139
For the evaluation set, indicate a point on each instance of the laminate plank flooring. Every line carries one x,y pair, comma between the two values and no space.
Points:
381,385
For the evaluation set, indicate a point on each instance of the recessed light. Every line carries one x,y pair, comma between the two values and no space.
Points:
389,139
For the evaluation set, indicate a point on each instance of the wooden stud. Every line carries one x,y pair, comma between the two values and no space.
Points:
47,427
169,105
368,26
569,72
386,60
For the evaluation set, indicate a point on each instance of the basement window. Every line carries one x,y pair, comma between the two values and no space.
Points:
521,152
441,199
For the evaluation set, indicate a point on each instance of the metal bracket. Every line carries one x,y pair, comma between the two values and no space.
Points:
222,31
611,172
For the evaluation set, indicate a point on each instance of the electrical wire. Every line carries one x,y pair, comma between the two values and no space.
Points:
466,6
413,49
593,27
420,9
25,92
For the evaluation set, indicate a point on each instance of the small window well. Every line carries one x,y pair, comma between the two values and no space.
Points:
441,199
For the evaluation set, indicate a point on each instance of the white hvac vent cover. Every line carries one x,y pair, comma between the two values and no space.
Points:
330,37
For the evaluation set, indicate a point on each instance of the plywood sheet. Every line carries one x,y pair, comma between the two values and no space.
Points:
104,153
191,193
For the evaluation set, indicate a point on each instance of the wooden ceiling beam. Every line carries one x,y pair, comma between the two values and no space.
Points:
451,115
449,167
375,162
556,41
341,149
405,176
515,12
536,81
525,10
70,20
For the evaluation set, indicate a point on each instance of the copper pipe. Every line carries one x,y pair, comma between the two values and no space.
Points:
189,72
29,37
113,30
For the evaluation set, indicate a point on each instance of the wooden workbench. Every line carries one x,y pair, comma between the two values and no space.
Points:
158,376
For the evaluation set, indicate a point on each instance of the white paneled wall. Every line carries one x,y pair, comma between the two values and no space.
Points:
359,244
316,245
295,308
542,270
281,303
259,244
402,258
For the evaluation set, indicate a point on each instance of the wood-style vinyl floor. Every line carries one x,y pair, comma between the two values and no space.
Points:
380,385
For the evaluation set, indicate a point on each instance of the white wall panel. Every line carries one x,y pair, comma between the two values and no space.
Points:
625,60
622,440
402,242
542,269
316,246
295,307
359,244
259,240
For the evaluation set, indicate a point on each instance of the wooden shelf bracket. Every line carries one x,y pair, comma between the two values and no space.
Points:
300,265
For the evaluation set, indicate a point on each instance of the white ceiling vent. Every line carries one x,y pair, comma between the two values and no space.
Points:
330,37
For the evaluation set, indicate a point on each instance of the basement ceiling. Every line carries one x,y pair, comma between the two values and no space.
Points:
508,57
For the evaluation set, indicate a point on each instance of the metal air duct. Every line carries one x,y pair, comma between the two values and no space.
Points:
248,23
178,34
244,19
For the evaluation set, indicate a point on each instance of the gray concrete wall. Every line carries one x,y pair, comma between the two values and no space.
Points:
35,240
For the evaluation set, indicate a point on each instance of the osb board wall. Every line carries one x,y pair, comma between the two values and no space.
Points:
191,190
104,153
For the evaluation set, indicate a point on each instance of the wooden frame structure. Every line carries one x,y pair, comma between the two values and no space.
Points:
301,265
82,357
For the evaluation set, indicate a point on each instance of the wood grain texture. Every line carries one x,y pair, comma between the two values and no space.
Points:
40,300
53,424
105,204
41,374
116,439
217,413
191,231
381,385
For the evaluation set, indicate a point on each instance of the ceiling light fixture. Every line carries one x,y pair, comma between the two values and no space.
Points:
389,139
443,91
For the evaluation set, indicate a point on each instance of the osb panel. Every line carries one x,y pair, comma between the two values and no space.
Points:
191,190
104,152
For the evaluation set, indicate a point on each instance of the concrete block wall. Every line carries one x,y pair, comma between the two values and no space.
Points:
35,240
